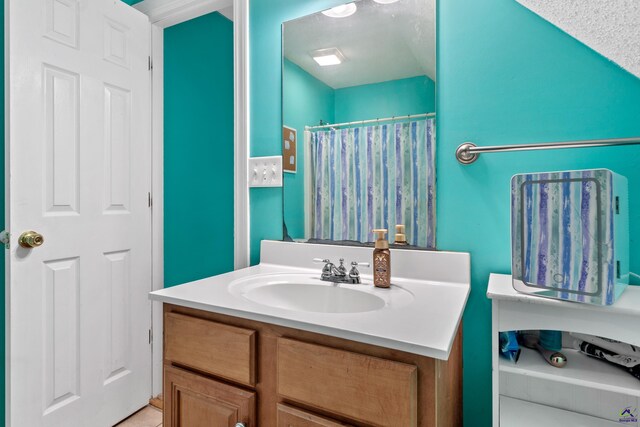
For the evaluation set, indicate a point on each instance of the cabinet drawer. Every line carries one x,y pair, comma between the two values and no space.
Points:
221,350
193,401
293,417
367,389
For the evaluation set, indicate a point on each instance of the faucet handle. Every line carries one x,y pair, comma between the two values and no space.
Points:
327,268
354,274
354,268
360,264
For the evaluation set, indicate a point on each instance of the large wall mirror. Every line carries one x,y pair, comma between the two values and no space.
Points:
359,135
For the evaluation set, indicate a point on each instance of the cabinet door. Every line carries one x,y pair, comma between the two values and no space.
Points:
293,417
367,389
195,401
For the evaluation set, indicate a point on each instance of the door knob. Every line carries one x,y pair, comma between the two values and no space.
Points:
30,239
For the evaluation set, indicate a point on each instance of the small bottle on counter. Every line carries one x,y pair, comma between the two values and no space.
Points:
381,260
401,237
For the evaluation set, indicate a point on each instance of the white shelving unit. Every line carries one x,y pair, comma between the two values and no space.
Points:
515,412
587,392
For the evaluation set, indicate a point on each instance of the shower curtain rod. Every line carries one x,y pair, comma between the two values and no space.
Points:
468,152
364,122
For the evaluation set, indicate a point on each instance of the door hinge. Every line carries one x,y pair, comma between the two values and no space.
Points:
5,239
150,200
150,336
150,64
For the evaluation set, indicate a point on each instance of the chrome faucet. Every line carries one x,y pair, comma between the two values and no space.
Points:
331,273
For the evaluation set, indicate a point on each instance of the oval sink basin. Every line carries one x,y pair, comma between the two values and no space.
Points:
300,292
317,298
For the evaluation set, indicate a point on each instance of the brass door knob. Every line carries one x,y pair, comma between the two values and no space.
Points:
30,239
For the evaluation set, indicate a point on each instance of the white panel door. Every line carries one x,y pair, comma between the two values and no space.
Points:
80,171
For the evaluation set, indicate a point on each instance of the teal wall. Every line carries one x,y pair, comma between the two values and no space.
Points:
198,149
308,101
538,84
265,38
415,95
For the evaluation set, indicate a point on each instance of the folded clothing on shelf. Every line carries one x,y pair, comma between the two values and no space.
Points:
614,346
631,364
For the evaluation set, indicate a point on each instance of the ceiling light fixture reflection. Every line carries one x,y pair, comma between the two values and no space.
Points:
341,11
326,57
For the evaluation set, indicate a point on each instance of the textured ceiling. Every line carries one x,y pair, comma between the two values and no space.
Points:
166,13
610,27
380,42
227,12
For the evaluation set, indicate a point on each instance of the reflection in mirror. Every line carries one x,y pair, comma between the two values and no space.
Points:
359,122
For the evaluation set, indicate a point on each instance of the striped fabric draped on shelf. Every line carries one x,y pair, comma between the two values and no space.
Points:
374,177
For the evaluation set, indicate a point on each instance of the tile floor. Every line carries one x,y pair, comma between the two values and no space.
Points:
145,417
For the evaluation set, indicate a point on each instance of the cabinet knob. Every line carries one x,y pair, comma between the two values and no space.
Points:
239,424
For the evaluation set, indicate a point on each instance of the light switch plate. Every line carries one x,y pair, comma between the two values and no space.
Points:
265,171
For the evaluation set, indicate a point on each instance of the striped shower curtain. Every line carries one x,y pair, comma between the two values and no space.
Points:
374,177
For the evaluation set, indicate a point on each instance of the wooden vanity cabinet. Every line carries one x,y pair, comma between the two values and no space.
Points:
221,370
215,348
367,389
193,400
289,416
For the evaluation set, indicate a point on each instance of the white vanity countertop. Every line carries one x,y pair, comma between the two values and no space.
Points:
439,282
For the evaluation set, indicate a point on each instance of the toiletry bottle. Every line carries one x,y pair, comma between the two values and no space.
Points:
381,260
401,237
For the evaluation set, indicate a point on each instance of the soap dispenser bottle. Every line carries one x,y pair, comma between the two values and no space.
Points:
381,260
401,237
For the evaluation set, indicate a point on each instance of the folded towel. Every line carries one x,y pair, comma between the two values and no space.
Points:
613,346
509,346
